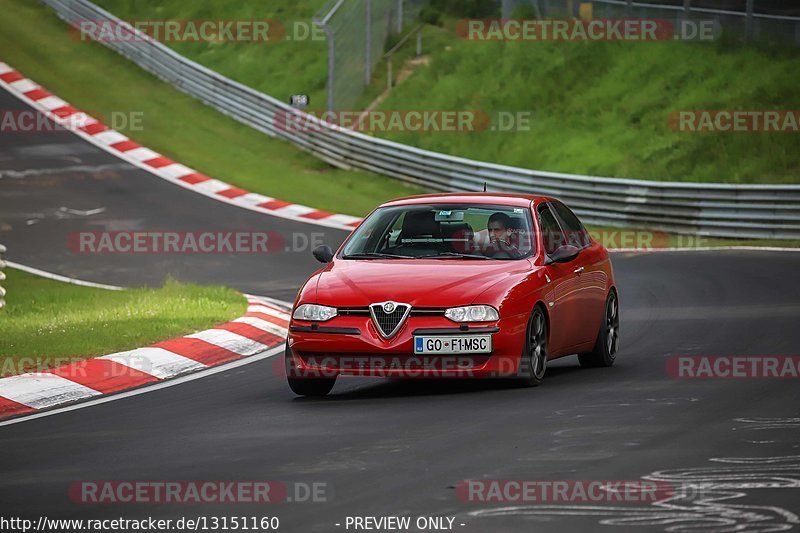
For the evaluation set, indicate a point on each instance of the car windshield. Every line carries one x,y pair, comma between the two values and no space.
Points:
443,231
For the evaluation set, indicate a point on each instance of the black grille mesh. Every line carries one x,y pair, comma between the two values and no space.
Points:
387,322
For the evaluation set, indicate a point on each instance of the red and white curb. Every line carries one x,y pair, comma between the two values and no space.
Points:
121,146
263,327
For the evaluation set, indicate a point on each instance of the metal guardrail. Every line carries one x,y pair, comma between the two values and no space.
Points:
747,211
2,277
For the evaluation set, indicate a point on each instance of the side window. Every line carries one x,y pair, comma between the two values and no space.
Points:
552,235
576,232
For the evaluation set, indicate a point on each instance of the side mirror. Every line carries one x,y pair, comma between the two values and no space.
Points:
563,254
323,253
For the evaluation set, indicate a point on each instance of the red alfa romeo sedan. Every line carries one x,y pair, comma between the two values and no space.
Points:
455,285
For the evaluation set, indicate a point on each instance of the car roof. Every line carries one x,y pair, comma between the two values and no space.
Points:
491,198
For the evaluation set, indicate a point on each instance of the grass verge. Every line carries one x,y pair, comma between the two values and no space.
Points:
97,80
46,321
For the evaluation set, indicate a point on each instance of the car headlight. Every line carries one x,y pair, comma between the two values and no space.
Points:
472,313
314,312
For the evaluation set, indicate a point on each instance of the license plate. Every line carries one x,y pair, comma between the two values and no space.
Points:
458,344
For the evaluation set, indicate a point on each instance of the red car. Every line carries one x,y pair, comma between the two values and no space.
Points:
461,285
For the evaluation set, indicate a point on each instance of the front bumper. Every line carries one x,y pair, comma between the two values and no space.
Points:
351,345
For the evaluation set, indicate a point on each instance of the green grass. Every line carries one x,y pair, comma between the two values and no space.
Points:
603,108
93,78
598,108
45,321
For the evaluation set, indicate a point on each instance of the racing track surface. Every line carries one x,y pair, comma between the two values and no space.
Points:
394,447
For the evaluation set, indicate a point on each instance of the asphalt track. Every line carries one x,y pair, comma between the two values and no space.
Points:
397,447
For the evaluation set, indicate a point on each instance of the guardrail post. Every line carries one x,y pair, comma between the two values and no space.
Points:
748,31
368,44
399,16
2,277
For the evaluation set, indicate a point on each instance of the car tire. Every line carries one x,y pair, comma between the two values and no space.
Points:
533,362
306,386
605,347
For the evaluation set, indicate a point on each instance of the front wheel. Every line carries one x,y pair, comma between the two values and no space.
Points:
533,363
605,348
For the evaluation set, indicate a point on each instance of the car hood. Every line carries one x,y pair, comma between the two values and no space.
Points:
419,282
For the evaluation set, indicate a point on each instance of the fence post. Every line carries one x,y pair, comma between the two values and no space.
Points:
399,16
748,28
505,9
368,54
419,41
2,277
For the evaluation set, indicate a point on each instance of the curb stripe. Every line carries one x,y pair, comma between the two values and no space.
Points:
199,350
39,390
103,375
157,362
230,341
24,394
121,146
10,407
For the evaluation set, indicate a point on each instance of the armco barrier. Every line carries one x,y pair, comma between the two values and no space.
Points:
749,211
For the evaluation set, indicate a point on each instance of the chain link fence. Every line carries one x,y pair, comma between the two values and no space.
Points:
356,33
760,20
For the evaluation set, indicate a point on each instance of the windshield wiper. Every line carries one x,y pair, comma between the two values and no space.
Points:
375,255
452,254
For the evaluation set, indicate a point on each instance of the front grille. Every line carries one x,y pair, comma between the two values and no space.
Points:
389,323
415,311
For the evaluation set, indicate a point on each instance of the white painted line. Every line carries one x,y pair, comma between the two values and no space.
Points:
252,198
142,154
706,249
266,299
263,325
230,341
64,279
268,311
176,170
40,390
212,185
24,85
295,210
110,137
52,102
157,362
342,219
151,388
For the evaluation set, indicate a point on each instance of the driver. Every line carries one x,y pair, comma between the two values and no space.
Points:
501,228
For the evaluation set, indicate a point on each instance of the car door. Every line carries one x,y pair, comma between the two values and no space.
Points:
591,275
563,304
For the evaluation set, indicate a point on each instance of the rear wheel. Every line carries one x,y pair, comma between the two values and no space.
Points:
306,386
605,348
533,363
